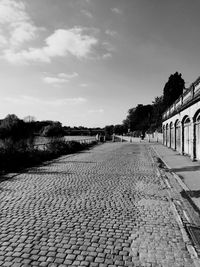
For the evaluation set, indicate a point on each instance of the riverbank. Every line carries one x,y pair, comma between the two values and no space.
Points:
16,156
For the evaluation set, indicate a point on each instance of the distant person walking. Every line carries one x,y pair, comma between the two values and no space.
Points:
142,137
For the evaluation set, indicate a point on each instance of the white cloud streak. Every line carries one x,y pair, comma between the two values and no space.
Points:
68,75
116,10
87,13
107,55
111,33
60,78
96,110
84,85
108,46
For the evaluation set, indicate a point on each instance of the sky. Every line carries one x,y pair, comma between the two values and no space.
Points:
87,62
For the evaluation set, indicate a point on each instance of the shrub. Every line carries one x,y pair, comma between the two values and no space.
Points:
16,155
57,147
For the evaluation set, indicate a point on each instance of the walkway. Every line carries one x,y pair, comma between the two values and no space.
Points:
183,167
104,207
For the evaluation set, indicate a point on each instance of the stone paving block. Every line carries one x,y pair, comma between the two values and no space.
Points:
105,207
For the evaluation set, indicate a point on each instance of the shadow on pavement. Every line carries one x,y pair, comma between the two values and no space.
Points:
188,194
64,162
194,193
48,172
187,168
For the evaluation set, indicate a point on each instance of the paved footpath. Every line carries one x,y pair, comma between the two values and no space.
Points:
103,207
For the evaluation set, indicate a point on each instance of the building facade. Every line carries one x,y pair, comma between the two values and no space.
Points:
181,123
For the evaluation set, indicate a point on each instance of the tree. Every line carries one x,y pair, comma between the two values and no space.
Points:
158,109
118,129
12,127
139,118
29,119
173,89
109,129
53,130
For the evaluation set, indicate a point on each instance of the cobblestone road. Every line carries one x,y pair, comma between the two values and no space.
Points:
103,207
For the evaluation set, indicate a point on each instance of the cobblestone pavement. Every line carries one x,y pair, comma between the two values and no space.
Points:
103,207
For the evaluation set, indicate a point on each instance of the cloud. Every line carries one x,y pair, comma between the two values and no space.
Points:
68,75
87,13
3,41
116,10
108,46
17,31
84,85
107,55
111,33
31,101
16,25
61,43
60,78
54,80
96,110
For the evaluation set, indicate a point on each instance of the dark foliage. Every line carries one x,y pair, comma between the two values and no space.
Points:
109,130
54,129
15,156
148,118
173,89
139,118
13,127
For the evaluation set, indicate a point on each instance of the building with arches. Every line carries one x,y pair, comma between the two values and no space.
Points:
181,123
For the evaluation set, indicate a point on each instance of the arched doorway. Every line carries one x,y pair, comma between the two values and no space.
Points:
177,135
186,136
197,135
163,134
171,128
167,135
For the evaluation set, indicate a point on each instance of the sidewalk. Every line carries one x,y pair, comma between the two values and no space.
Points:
185,168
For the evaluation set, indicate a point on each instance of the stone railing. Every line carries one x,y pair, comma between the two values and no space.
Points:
188,96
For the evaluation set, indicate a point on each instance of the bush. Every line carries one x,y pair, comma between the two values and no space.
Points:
57,147
15,156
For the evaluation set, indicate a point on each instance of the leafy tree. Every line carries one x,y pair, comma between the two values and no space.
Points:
120,129
139,118
173,89
109,129
29,118
149,117
13,127
53,130
157,111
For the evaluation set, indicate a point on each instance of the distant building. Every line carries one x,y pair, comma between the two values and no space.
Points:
181,123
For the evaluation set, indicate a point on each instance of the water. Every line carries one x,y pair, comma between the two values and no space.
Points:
40,141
